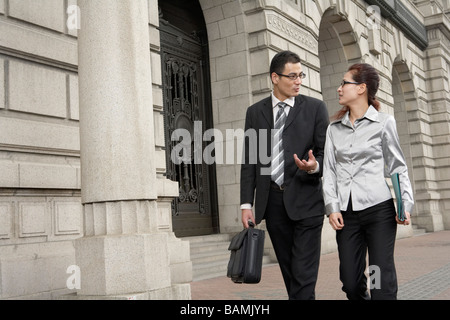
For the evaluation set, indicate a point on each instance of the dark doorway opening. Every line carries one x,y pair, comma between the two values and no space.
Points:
188,106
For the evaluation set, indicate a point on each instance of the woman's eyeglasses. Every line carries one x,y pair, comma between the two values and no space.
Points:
343,83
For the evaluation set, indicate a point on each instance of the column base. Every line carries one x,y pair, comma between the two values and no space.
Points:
431,222
119,264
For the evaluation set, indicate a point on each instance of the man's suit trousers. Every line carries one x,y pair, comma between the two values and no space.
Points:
297,247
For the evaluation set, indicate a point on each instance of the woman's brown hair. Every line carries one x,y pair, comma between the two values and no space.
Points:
364,73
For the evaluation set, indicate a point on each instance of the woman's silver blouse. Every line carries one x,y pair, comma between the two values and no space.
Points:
357,160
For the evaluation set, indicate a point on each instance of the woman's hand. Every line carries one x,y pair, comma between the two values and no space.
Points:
407,221
336,220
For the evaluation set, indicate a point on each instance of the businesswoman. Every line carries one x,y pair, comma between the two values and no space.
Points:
361,149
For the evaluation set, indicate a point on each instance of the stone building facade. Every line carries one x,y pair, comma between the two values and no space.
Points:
91,95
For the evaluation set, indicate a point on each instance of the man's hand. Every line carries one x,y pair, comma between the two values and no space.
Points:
247,214
304,165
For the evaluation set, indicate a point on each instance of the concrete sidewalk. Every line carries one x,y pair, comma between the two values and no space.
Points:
422,263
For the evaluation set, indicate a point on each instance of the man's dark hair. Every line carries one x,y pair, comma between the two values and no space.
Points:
281,59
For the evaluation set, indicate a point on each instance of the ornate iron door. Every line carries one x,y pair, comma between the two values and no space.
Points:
187,106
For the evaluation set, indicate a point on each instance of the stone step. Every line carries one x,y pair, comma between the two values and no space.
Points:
418,231
210,255
218,268
209,247
211,237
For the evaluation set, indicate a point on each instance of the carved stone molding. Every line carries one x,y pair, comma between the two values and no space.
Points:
120,218
279,25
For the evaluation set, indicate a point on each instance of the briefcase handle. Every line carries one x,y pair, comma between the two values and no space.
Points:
251,224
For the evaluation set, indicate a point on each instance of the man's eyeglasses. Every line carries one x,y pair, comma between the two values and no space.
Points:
293,76
343,83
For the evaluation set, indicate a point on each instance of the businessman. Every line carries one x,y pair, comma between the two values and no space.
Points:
286,190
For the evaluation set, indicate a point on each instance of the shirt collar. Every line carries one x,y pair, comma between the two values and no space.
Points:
371,114
290,101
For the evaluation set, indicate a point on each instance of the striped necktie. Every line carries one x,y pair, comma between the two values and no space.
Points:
278,150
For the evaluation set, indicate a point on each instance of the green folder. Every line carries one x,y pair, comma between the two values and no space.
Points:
398,196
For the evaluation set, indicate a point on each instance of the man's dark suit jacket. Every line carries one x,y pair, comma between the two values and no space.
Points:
305,129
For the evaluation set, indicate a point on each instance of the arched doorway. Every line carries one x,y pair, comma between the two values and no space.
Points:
404,95
338,49
187,105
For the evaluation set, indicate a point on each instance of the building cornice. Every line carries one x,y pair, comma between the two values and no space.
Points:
396,12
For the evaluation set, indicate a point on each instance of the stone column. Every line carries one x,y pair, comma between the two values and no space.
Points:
116,115
433,205
123,254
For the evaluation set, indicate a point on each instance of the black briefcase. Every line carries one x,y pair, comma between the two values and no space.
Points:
247,248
